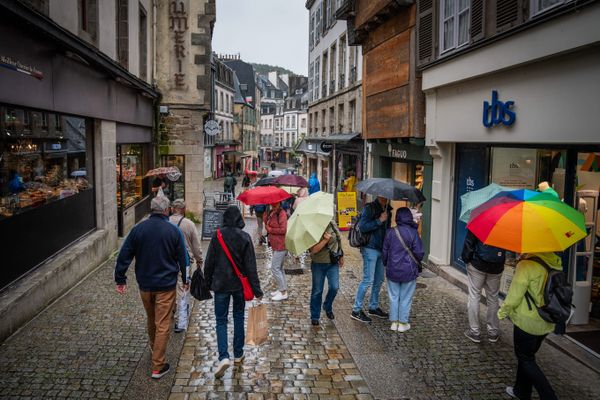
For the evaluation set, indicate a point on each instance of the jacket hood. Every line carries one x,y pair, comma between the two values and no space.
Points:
553,261
232,218
405,217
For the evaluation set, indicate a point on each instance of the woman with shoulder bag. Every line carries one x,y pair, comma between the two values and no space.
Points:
327,258
402,254
276,225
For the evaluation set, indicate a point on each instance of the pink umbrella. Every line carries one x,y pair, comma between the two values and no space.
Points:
290,180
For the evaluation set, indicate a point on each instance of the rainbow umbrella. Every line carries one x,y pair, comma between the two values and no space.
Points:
525,221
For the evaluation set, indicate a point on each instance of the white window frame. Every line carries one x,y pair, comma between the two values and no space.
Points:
536,11
456,14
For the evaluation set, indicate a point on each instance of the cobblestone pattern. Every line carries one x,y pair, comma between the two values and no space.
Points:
86,345
437,361
298,362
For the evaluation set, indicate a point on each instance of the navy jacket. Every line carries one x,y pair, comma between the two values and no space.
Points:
370,224
399,265
159,250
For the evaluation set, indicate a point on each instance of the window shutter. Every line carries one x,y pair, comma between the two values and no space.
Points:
477,20
508,14
426,32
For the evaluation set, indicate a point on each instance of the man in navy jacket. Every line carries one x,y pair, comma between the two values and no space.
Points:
160,253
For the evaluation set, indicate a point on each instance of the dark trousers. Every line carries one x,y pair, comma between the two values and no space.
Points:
529,374
221,315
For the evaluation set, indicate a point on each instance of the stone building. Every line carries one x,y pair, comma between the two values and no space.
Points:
223,99
183,58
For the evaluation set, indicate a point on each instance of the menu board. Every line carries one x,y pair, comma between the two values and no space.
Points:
211,221
346,209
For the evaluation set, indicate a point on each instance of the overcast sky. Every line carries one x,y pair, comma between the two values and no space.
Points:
264,31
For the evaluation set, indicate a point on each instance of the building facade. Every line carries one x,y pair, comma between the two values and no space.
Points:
224,109
334,95
89,64
526,117
183,75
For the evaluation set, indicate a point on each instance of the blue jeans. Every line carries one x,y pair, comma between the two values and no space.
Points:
373,275
401,297
319,273
221,314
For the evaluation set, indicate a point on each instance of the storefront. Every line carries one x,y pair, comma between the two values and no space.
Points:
517,128
223,161
317,161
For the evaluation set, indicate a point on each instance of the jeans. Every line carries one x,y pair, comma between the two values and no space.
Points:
491,283
401,297
221,315
373,275
319,273
159,311
528,372
277,269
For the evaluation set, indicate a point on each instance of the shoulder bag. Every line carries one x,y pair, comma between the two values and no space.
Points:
248,294
409,251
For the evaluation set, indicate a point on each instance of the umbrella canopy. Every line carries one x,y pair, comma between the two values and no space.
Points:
266,181
471,200
291,180
276,173
525,221
169,171
391,189
306,226
263,195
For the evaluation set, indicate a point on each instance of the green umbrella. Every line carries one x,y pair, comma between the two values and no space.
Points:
471,200
309,221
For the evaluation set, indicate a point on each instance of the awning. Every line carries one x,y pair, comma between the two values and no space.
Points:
308,146
236,153
343,137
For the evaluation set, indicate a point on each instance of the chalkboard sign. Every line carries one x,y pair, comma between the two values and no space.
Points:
211,220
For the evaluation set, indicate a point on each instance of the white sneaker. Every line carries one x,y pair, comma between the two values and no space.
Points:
275,293
394,326
279,296
403,327
223,365
238,360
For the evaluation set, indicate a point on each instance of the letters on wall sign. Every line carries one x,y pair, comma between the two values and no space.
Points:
498,112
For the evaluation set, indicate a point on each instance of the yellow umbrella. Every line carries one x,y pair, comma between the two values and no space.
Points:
309,221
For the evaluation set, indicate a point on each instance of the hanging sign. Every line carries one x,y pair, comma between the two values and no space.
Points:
346,209
212,127
326,147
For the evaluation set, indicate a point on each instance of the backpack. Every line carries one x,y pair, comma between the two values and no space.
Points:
260,208
355,236
490,254
558,295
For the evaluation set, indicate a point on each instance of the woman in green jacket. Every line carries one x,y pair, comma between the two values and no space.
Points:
530,329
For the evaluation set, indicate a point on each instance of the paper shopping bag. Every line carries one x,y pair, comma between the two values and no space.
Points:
258,325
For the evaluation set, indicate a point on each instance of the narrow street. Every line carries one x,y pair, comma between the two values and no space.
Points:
91,343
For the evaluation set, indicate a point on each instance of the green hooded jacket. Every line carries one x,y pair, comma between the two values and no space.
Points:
529,276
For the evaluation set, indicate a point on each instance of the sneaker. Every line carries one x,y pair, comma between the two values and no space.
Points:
394,326
511,392
379,313
493,338
314,322
274,293
472,336
330,314
279,296
360,316
239,360
161,373
402,327
222,367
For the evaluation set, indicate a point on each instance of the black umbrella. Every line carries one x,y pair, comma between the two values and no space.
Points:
266,181
391,189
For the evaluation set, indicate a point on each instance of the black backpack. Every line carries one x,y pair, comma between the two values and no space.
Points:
355,236
490,254
558,295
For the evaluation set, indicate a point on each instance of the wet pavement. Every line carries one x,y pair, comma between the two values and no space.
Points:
92,343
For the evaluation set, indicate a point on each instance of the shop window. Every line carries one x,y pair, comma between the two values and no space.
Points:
176,189
131,187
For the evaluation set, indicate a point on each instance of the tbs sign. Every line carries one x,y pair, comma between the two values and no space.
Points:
498,112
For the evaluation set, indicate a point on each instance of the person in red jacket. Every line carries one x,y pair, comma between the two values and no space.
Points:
276,224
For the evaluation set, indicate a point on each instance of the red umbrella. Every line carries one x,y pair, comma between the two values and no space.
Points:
290,180
263,195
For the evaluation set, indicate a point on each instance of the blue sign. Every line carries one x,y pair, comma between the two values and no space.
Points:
498,112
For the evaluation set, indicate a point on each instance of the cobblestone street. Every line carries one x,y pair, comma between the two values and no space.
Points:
92,343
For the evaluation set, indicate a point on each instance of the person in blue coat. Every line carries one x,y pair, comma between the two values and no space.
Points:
401,255
313,184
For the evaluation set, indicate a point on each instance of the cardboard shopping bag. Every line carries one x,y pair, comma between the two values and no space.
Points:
258,325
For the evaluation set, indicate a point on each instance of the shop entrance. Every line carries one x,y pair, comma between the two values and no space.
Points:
409,172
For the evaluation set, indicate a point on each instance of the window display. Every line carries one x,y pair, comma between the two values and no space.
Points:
130,175
42,159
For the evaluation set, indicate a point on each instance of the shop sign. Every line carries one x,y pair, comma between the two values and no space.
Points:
212,127
18,66
178,20
397,153
498,112
326,147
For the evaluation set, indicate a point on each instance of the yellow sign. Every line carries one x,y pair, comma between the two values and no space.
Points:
346,209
